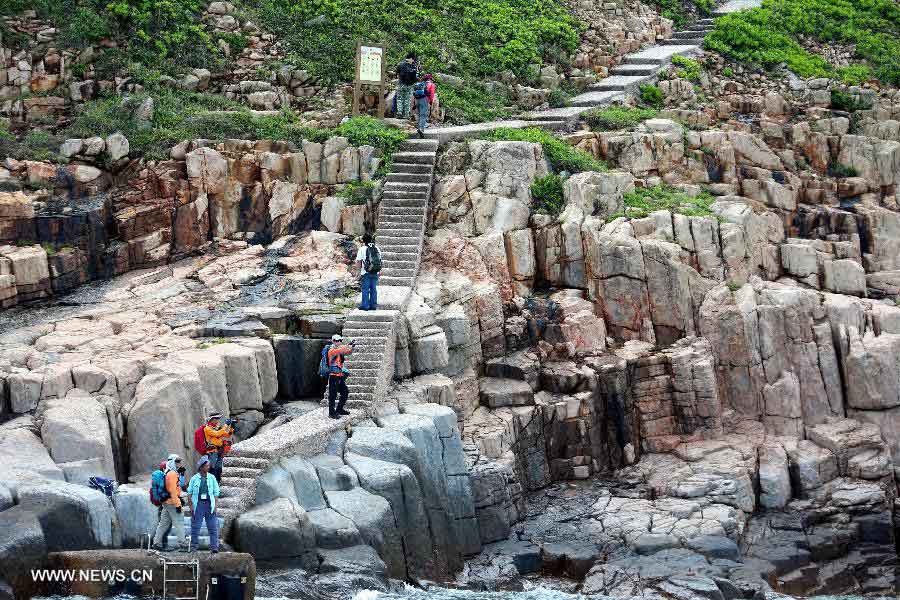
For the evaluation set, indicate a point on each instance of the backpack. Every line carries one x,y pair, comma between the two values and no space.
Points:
158,491
103,484
372,264
200,440
420,89
324,369
407,73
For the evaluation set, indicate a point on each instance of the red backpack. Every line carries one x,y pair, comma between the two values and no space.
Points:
200,440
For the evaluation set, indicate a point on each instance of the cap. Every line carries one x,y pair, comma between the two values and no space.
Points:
203,461
215,415
336,337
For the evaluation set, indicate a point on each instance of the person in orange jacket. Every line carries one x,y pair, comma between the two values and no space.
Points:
171,515
216,439
337,375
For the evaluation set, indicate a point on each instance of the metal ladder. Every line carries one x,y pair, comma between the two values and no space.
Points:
193,565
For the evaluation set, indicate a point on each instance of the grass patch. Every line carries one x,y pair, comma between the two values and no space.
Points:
547,195
472,104
182,116
36,145
836,169
643,201
561,155
848,102
618,117
464,37
766,36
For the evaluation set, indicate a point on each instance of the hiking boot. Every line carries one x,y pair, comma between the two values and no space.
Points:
343,412
333,415
421,134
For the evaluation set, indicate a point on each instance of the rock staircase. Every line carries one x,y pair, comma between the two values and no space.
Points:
400,234
693,35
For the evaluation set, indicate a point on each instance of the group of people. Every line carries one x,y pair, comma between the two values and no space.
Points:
169,492
415,89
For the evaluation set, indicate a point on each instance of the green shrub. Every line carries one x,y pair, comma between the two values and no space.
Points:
357,192
836,169
765,36
651,95
689,68
705,7
236,41
848,102
547,195
558,98
618,117
727,72
463,37
673,10
561,155
643,201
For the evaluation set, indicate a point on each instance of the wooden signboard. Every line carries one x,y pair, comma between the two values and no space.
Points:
370,73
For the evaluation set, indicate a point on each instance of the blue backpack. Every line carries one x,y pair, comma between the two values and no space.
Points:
324,369
158,491
420,89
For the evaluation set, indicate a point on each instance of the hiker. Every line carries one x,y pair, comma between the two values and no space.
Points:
337,375
218,440
171,513
202,492
158,494
424,94
407,75
368,258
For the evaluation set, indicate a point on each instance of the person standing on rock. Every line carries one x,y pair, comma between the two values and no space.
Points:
407,75
171,515
217,437
337,375
368,257
202,491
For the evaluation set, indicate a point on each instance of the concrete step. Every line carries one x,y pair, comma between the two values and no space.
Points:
567,115
408,178
232,460
418,145
395,272
405,195
674,42
690,32
398,281
415,157
658,55
620,83
398,255
413,213
358,316
358,381
407,187
398,167
634,70
360,397
400,249
241,471
399,264
389,220
407,240
238,482
366,335
592,99
365,366
705,21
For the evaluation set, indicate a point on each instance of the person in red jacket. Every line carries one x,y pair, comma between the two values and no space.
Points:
337,375
424,94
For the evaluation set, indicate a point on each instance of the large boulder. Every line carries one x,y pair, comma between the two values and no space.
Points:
22,544
277,529
73,517
136,515
24,458
374,518
75,429
242,373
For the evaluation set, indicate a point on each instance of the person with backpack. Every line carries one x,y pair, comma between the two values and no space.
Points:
158,493
424,93
335,356
368,257
407,75
202,492
171,505
213,441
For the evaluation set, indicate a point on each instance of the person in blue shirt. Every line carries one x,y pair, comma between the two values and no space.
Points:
202,491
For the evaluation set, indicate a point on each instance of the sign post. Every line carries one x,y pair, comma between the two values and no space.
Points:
370,73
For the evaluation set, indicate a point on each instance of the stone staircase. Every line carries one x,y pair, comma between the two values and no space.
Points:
400,234
692,35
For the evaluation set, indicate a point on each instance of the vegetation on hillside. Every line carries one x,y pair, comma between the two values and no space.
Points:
767,36
644,201
163,34
561,155
464,37
547,195
181,116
